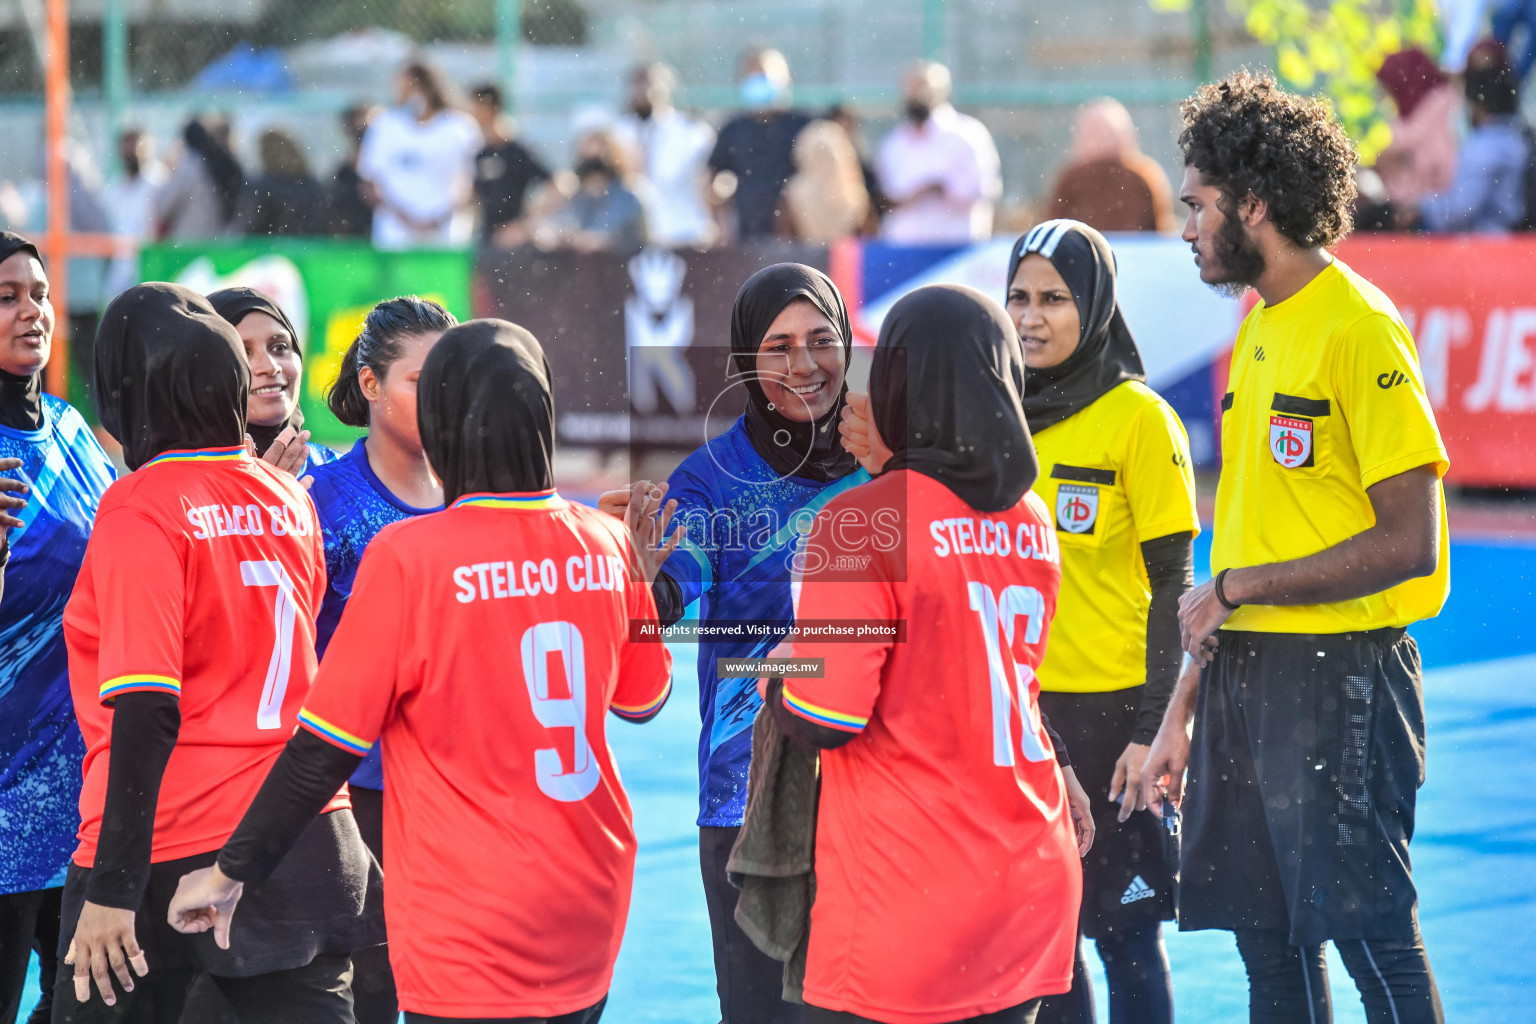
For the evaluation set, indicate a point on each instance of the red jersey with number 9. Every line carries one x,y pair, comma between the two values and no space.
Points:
484,645
947,875
201,580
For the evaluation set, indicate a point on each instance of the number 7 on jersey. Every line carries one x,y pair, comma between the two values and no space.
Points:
285,611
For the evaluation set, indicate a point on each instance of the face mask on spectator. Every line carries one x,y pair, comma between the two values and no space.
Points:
594,165
758,91
416,103
918,112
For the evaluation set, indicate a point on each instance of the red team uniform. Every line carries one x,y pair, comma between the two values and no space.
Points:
223,555
947,874
484,645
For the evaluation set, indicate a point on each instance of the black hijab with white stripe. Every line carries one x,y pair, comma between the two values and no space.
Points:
1106,355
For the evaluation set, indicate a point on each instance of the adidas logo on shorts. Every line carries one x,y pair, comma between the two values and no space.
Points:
1137,890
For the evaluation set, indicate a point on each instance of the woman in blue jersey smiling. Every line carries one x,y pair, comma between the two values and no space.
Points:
273,419
742,501
383,479
46,445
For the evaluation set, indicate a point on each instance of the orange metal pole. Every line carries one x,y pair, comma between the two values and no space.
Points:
56,377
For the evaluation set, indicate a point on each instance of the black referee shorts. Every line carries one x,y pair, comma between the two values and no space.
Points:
1307,757
1130,877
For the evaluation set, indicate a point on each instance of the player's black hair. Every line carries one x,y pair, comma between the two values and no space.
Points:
1495,88
489,94
1246,135
378,346
430,79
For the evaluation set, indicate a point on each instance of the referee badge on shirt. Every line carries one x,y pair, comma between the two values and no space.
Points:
1290,441
1077,508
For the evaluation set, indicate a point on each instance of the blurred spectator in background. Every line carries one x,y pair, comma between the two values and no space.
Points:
1514,22
130,205
846,117
506,172
1108,182
672,151
351,214
1422,155
284,199
1488,192
199,198
826,199
602,213
755,153
938,167
418,159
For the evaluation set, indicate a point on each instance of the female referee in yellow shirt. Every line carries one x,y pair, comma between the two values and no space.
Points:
1115,472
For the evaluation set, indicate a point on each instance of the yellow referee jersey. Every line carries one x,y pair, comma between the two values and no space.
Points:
1114,474
1326,400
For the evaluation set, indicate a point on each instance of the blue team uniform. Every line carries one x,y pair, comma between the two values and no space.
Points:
743,523
40,745
317,455
354,505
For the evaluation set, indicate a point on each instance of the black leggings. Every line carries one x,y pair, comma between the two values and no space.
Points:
1140,989
28,921
373,981
1289,984
317,993
1024,1013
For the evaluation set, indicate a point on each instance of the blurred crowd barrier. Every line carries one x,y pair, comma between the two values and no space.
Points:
638,341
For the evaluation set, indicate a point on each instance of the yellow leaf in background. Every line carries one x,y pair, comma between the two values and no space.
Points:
1389,37
1170,6
1357,106
1293,67
1323,54
1377,138
1261,24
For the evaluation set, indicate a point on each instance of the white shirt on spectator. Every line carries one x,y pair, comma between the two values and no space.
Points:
130,204
671,149
949,149
425,170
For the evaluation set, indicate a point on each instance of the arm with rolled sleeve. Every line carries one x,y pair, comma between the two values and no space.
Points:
139,578
1380,390
645,667
357,686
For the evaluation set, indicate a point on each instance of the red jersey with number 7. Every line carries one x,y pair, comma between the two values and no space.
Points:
947,877
201,580
484,645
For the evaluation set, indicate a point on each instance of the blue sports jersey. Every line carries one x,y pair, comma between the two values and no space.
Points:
317,455
354,505
40,745
743,523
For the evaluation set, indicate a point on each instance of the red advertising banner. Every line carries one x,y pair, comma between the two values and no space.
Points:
1471,305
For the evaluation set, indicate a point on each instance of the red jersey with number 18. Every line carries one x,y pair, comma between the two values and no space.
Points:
201,580
484,645
947,875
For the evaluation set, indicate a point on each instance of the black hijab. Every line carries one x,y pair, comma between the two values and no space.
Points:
21,398
170,373
813,450
944,391
485,410
234,304
1106,355
222,167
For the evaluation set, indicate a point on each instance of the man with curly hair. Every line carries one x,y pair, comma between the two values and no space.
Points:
1330,539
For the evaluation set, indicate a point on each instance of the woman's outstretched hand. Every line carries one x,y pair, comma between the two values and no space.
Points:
860,437
646,519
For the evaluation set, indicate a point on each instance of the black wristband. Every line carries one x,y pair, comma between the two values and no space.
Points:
1221,594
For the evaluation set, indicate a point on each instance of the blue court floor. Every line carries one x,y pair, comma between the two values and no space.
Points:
1474,853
